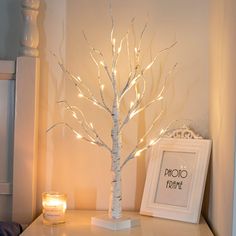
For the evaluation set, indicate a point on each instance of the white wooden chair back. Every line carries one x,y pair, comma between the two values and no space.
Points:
25,72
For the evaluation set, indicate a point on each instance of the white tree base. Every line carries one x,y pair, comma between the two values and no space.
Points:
124,222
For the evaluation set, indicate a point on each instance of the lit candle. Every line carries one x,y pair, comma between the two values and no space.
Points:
54,207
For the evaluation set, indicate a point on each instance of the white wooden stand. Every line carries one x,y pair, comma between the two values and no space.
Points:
125,222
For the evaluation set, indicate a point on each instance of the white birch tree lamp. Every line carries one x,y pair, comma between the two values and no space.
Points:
136,82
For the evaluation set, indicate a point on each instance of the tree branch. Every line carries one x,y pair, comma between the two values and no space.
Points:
137,75
100,54
137,151
88,128
101,86
133,112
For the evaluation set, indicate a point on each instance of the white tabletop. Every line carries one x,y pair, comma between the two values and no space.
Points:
78,223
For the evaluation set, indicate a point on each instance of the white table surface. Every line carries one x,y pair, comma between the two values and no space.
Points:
78,224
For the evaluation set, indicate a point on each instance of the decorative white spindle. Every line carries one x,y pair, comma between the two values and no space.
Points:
30,36
26,119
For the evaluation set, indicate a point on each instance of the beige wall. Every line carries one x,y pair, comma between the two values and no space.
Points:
222,116
81,170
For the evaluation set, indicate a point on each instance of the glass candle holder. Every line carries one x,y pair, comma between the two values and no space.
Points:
54,207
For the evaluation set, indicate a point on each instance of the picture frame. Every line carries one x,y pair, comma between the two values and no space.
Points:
176,177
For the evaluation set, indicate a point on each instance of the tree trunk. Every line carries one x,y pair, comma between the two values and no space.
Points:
115,197
115,209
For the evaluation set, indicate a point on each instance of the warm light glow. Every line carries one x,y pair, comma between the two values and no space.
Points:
54,200
149,66
78,136
74,115
102,63
119,50
54,203
54,207
162,131
80,95
132,83
102,87
151,142
131,115
138,153
131,104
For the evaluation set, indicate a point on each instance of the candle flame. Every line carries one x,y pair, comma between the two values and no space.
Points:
54,202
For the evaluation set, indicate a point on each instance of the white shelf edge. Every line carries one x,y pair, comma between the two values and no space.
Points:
7,70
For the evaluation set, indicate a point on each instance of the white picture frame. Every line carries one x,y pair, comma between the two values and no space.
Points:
175,180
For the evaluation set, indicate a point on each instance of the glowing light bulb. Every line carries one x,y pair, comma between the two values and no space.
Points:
138,153
102,87
74,115
102,63
149,66
162,131
80,95
78,136
114,41
151,142
132,83
131,115
160,98
131,104
91,125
